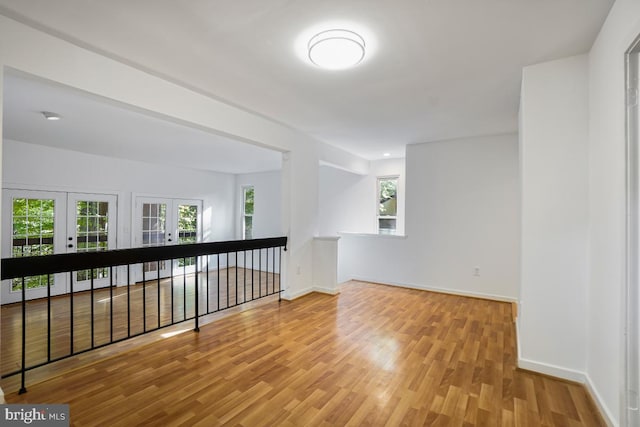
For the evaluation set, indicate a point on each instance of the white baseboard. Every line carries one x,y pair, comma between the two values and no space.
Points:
552,370
290,296
439,290
327,291
597,399
571,375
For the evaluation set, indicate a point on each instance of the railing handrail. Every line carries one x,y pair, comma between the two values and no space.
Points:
61,263
168,291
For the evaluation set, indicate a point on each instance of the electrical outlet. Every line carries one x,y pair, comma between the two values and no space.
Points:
298,271
476,271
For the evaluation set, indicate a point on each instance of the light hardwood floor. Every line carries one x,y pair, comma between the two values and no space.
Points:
373,355
251,284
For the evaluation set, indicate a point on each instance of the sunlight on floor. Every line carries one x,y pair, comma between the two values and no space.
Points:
174,333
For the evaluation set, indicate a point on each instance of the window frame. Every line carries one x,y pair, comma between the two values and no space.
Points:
393,217
244,214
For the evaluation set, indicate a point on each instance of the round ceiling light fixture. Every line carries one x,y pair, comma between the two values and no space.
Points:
336,49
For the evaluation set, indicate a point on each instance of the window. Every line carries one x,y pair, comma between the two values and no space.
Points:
247,212
187,230
154,230
33,221
92,222
387,204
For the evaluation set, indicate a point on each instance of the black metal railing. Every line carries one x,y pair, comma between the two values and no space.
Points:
199,279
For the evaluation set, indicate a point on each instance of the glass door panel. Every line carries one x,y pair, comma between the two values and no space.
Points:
35,228
91,228
167,222
154,231
153,217
187,229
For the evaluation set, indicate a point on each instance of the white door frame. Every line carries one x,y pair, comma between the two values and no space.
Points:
59,285
176,204
168,238
71,240
631,296
64,228
171,229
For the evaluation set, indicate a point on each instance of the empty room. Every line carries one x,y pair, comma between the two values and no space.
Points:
277,213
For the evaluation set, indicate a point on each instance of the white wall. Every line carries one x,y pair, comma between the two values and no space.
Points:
571,322
267,209
462,199
45,56
605,371
553,148
347,201
325,261
29,166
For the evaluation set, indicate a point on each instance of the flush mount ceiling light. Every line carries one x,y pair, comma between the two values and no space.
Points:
336,49
51,116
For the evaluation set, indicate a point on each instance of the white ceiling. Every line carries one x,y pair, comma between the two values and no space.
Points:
98,126
439,69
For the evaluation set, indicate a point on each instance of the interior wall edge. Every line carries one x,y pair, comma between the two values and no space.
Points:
599,402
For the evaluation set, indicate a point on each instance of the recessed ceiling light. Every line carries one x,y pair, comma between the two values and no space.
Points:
387,154
336,49
51,116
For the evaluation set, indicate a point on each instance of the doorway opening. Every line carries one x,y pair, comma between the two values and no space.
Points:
52,222
165,221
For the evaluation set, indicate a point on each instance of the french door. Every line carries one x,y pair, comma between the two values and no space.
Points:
34,224
50,222
162,221
91,220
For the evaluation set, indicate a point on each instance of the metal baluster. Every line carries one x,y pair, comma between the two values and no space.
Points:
92,323
184,292
276,266
266,273
48,318
280,274
172,320
259,273
71,311
23,389
110,303
236,278
207,276
129,299
196,299
159,294
144,299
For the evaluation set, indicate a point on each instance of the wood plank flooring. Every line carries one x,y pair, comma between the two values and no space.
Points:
373,355
225,289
